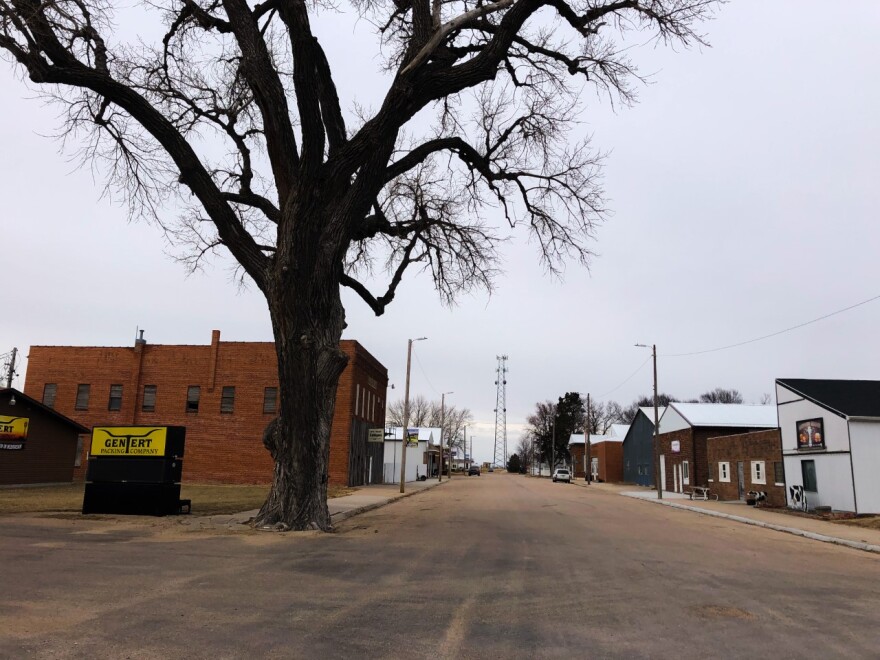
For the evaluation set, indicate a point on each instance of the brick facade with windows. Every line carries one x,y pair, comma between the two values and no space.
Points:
693,448
760,453
222,393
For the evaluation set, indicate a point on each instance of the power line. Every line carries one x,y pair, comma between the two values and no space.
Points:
422,369
628,378
774,334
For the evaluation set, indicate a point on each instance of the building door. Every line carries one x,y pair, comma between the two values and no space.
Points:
594,468
662,472
740,480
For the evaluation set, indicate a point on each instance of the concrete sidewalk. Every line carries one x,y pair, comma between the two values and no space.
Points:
365,498
860,538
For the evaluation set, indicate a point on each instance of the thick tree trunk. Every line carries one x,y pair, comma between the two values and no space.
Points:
307,320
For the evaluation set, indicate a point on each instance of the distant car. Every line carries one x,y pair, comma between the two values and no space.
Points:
562,474
474,469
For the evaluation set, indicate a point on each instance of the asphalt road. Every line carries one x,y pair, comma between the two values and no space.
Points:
499,566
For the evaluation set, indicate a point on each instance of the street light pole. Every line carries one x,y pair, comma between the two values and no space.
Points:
553,446
656,422
405,435
588,459
442,421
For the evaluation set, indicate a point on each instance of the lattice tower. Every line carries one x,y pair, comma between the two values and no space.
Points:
501,412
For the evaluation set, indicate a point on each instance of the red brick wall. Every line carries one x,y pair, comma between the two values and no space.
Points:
685,437
577,460
610,461
746,447
220,447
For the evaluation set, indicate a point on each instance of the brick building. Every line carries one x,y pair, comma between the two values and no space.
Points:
685,428
606,457
747,462
223,393
37,444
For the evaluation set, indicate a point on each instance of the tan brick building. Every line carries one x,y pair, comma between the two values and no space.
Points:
223,393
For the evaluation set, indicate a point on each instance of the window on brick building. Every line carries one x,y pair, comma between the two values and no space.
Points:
227,399
82,396
78,459
115,402
49,390
685,473
270,400
149,403
193,394
724,472
759,475
778,473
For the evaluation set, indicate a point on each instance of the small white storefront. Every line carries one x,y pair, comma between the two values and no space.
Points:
830,443
420,456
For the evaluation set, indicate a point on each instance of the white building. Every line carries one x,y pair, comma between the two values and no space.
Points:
422,459
831,442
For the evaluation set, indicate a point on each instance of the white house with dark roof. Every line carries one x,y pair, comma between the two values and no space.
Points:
830,442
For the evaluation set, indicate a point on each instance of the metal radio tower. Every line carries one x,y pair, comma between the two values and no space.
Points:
501,412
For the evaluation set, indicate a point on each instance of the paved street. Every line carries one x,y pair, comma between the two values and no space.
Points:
495,566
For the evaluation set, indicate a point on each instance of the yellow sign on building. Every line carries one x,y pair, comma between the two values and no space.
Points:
13,432
128,441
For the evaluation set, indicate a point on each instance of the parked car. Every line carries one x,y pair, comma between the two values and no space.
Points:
474,469
562,474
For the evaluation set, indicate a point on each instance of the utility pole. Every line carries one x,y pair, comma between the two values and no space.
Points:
553,446
442,421
405,437
588,458
656,426
653,348
11,371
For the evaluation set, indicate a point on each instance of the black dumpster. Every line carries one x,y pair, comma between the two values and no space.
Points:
135,470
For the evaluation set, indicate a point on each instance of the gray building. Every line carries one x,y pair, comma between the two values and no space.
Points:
638,448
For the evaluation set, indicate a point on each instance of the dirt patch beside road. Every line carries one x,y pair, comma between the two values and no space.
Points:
207,499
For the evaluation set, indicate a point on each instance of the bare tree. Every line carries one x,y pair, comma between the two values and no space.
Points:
308,198
721,395
419,412
525,447
766,399
424,413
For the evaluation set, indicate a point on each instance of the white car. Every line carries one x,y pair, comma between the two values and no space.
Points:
562,474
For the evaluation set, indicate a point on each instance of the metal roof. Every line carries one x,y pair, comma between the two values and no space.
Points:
848,398
727,414
578,439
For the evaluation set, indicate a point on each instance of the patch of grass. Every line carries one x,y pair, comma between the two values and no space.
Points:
38,499
870,522
207,499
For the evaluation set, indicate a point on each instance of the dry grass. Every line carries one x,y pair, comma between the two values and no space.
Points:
207,500
870,522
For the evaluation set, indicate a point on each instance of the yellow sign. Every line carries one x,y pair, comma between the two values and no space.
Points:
13,432
128,441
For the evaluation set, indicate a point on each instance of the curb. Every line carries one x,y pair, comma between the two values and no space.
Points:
351,513
856,545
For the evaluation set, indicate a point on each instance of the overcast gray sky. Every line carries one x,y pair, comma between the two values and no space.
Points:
744,190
